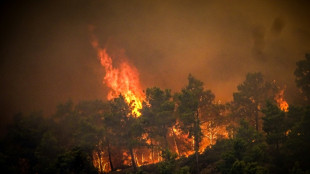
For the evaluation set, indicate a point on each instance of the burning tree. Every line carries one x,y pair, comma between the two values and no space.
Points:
251,97
190,101
158,116
213,119
125,126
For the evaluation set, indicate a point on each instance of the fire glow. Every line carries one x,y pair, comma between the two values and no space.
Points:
123,80
283,105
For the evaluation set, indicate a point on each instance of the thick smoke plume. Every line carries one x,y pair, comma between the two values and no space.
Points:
47,58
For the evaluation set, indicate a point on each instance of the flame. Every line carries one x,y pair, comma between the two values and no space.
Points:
211,134
121,80
279,98
124,79
101,162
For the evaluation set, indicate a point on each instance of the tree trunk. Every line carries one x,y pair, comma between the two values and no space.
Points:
132,159
165,137
211,133
175,142
152,146
110,158
196,139
100,162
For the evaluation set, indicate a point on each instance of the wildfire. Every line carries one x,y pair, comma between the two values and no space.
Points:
123,79
281,102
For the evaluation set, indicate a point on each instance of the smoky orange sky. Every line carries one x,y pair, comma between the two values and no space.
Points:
47,57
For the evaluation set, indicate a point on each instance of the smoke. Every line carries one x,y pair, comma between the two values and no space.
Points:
258,35
47,57
277,25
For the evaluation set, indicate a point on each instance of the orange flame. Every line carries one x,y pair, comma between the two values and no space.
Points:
283,105
122,80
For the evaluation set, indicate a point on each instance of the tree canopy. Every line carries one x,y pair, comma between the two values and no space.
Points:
253,134
302,74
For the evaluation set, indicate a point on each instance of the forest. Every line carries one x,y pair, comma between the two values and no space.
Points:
179,133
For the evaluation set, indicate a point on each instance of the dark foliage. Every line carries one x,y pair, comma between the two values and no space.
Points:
262,137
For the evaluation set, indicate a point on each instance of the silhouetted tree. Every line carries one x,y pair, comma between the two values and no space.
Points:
47,153
302,74
297,145
190,101
90,134
75,161
20,144
212,117
125,126
158,114
274,125
251,97
245,153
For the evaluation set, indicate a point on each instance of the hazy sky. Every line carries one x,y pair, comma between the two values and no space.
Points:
47,58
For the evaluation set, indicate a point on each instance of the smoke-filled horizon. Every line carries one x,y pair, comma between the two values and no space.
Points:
47,56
